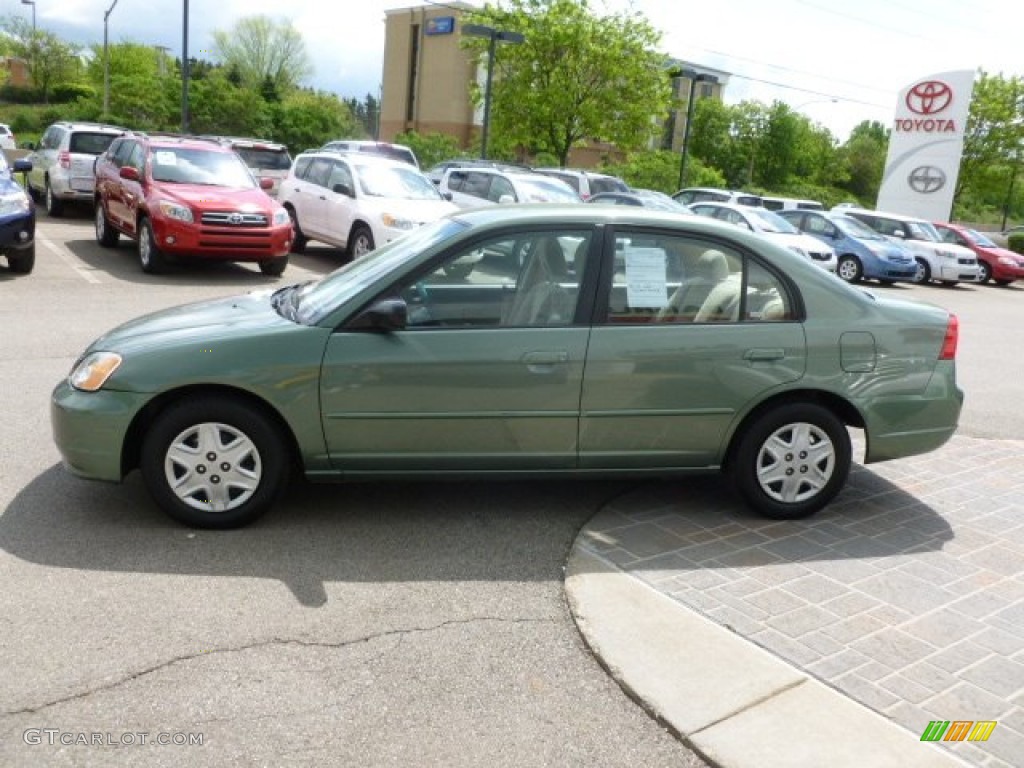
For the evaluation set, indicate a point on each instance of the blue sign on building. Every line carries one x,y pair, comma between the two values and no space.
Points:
440,25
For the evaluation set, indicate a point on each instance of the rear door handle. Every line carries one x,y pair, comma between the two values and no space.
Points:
764,355
545,361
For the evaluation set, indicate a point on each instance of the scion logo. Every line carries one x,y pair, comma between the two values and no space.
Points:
926,179
929,97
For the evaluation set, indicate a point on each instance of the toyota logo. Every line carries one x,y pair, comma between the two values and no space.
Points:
927,179
235,218
929,97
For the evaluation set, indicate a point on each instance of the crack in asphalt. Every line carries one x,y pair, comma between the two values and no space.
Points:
275,641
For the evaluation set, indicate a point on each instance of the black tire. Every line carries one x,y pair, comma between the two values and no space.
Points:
1003,282
923,274
274,267
22,261
849,269
176,459
54,205
360,241
151,259
886,283
106,235
986,272
789,442
299,240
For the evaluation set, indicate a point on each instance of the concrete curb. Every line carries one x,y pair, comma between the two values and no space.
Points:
732,702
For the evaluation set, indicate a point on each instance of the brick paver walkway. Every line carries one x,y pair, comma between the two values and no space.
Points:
907,593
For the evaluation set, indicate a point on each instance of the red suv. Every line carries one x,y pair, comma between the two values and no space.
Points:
184,196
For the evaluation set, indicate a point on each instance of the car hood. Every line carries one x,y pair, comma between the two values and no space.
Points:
211,198
203,321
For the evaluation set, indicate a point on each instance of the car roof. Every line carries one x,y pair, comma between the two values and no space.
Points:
882,214
364,158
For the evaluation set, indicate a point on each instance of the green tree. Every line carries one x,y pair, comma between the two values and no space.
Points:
259,47
575,77
864,154
430,148
306,119
134,101
218,106
50,59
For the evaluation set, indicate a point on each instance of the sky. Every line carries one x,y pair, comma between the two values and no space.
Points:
835,61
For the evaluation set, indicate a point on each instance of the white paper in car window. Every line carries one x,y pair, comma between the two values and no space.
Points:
166,158
646,282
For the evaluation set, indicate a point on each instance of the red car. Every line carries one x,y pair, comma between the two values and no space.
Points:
999,264
184,196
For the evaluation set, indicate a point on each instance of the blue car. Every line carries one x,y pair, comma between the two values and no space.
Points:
861,253
17,219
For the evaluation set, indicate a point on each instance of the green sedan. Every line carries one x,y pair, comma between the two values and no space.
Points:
519,341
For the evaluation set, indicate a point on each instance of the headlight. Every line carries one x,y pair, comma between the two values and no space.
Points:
1009,261
175,211
281,217
397,222
14,203
799,251
93,370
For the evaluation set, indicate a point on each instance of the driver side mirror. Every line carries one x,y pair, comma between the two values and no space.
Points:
385,315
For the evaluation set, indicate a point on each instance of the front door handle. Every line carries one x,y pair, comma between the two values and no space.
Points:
764,354
545,361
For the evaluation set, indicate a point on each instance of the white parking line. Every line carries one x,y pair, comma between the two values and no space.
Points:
68,258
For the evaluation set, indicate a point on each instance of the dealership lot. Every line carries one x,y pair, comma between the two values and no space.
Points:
391,624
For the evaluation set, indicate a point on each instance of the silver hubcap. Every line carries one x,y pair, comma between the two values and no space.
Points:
213,467
796,462
919,275
362,246
848,270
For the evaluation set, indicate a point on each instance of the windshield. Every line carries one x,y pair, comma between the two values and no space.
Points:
545,191
199,166
396,182
922,230
317,299
979,239
771,222
855,228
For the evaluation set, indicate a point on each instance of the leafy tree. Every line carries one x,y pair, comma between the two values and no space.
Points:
864,153
575,77
217,106
659,170
50,60
260,47
306,119
430,148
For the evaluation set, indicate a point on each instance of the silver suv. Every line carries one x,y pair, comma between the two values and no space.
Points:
586,183
62,163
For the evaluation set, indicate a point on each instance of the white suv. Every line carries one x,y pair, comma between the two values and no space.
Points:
62,163
357,201
586,183
476,187
936,259
264,159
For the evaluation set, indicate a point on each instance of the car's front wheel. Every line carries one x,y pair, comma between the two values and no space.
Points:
151,259
849,268
792,460
360,242
924,272
213,462
274,267
106,235
986,271
299,240
22,261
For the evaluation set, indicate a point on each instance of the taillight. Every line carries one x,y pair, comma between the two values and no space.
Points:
64,158
949,343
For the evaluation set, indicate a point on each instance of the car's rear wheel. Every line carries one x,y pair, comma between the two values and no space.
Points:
924,272
54,205
360,242
986,271
849,268
151,259
106,235
299,240
213,462
792,461
274,267
22,261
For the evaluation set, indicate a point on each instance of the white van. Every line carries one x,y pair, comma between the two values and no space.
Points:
791,204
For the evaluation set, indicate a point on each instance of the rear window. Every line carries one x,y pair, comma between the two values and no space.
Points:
265,158
390,150
85,143
604,184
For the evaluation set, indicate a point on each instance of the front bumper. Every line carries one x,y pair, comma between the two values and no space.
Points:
17,231
90,428
958,272
1006,271
222,242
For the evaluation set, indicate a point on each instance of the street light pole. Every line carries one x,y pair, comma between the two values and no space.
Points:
106,62
690,104
493,35
33,4
184,70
